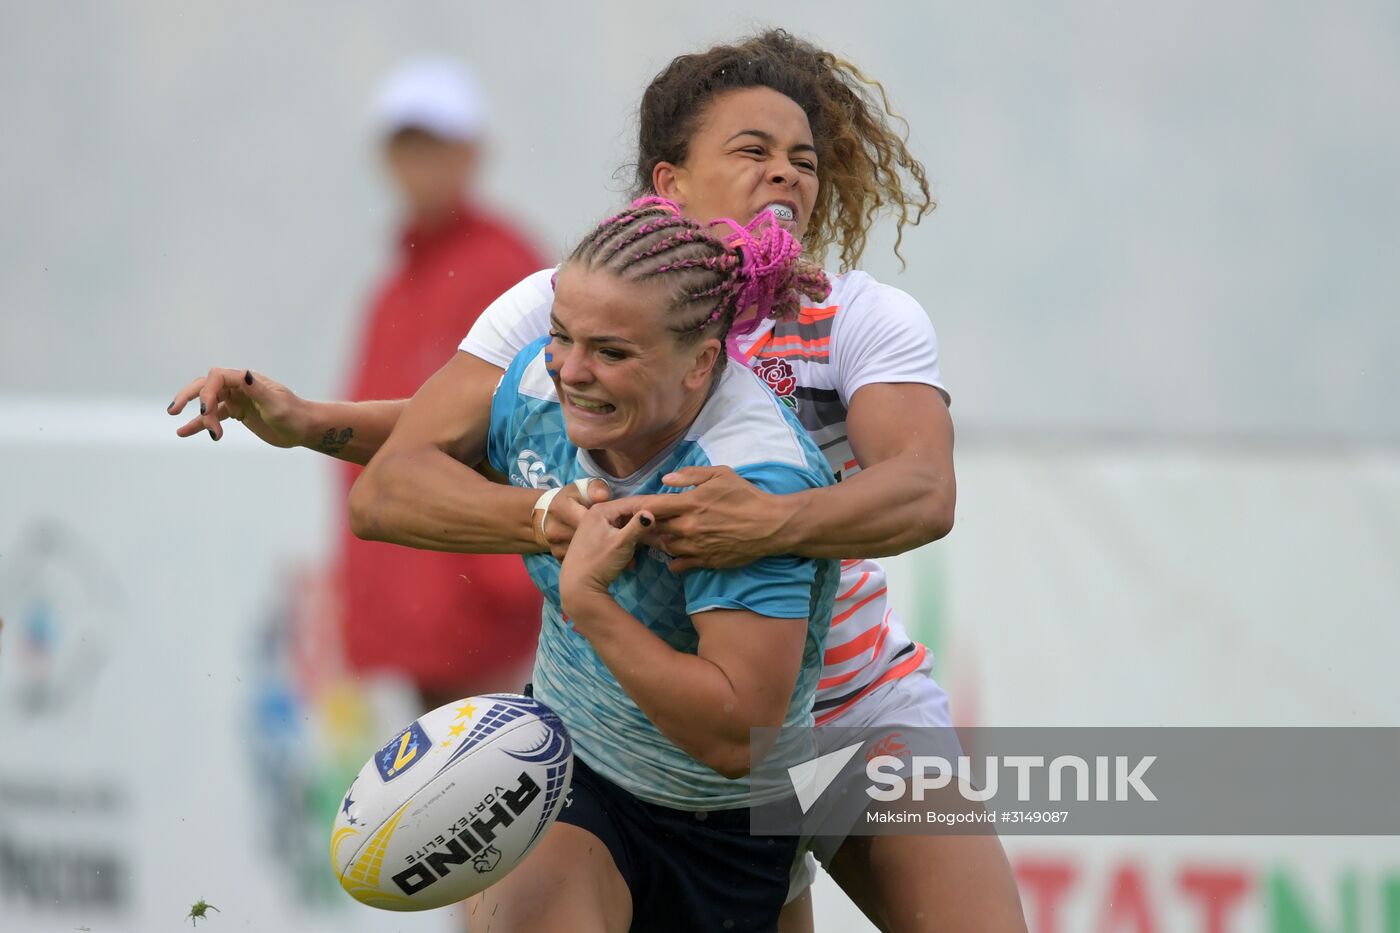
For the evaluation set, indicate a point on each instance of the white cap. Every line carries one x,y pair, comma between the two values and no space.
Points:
438,95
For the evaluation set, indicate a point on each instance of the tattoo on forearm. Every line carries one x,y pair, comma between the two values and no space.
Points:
333,442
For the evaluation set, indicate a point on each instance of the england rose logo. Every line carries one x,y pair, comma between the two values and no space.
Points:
777,373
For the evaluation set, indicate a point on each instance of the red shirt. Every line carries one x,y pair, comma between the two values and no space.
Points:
441,619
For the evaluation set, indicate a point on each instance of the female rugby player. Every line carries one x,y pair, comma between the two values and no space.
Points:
771,124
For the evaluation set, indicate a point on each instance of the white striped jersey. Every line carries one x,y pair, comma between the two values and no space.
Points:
865,333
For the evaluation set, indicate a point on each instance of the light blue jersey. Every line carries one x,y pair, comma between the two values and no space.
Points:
742,425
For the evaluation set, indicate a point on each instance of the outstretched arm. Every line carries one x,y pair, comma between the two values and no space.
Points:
351,431
902,498
356,430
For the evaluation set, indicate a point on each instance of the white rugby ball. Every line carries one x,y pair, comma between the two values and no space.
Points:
452,803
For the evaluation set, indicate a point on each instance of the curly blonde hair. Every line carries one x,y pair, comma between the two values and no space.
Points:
864,165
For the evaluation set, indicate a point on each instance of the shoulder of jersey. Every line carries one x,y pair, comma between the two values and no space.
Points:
743,423
846,287
542,281
857,294
531,297
535,381
534,298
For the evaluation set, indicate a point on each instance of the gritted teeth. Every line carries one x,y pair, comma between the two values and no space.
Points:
590,405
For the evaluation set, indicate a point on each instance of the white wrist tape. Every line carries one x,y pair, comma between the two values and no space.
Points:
539,516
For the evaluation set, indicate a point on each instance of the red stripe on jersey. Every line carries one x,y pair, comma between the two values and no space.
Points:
836,680
856,647
808,315
799,353
849,676
839,679
758,345
902,669
821,344
852,591
852,611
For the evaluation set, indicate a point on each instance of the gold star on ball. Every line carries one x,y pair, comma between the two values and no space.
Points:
465,711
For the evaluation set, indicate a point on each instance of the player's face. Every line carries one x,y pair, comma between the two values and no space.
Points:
627,385
752,151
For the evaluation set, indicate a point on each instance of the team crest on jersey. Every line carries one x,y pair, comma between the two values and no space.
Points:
532,471
777,374
403,752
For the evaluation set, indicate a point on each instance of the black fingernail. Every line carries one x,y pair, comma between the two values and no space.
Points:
201,408
646,522
248,377
171,406
212,435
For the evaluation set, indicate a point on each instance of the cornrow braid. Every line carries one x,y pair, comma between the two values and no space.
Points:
710,278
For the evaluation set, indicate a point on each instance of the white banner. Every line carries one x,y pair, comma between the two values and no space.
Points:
176,726
174,723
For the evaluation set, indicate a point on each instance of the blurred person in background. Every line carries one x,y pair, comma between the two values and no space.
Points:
455,624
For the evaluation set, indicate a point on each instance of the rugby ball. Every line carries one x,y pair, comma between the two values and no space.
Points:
452,803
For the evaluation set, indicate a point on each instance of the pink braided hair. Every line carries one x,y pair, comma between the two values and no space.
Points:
765,254
748,267
769,279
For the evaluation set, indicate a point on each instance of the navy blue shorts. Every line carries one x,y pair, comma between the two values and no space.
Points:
687,870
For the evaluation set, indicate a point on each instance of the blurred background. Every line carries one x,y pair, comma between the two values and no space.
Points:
1163,274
